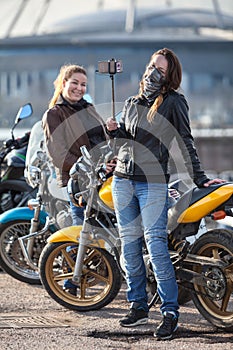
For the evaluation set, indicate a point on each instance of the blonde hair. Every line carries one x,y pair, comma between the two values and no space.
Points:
172,79
65,73
154,108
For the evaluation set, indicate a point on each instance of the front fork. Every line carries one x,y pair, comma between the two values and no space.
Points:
36,205
27,242
30,238
84,240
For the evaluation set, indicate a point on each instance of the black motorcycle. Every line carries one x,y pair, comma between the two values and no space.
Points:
14,190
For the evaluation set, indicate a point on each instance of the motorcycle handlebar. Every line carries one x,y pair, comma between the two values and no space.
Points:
17,143
12,143
20,142
8,143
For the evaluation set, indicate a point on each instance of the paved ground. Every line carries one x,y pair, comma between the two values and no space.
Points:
30,319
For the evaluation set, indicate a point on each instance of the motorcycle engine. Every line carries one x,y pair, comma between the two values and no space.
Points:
64,219
9,200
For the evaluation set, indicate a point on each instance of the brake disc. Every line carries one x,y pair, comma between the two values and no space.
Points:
216,287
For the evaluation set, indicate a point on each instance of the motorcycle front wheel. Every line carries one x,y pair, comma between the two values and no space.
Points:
214,300
12,259
100,280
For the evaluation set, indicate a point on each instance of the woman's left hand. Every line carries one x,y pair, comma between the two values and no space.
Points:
213,181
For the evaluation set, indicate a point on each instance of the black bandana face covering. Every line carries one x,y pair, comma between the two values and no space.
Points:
152,85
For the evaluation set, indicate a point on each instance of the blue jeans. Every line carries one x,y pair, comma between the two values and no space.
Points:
77,214
141,211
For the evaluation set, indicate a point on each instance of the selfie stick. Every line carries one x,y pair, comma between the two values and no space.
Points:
113,97
111,67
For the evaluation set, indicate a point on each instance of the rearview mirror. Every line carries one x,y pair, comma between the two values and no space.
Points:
24,112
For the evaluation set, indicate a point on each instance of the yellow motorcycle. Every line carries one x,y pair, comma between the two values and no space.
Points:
90,255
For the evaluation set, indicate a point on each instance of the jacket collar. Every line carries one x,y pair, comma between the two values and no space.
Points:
81,104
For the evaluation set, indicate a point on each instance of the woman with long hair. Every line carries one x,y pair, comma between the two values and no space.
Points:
149,123
69,123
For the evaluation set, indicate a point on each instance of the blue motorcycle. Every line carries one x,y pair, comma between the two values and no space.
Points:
24,231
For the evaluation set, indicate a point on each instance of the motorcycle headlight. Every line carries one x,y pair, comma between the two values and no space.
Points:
33,175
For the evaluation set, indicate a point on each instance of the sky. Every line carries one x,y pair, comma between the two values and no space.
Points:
58,10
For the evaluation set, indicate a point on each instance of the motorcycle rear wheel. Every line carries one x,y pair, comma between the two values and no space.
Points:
100,281
215,300
11,257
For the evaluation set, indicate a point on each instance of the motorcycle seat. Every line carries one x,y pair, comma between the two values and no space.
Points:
198,193
189,198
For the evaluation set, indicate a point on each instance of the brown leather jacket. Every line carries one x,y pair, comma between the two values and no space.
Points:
68,127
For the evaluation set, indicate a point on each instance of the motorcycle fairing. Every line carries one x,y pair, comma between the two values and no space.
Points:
72,234
22,213
105,193
206,204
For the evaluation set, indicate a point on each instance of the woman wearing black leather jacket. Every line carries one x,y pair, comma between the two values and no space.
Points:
150,121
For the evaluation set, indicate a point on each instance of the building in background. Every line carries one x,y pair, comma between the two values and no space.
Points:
200,33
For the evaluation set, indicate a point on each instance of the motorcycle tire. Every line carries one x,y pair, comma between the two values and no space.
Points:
215,300
11,257
100,281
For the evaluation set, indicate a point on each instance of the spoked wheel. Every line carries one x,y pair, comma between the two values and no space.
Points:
12,259
214,300
100,280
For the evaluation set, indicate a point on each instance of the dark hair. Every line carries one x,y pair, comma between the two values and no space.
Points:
172,79
174,71
65,73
